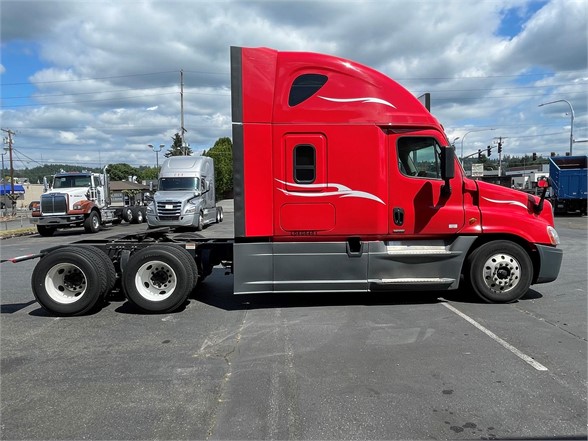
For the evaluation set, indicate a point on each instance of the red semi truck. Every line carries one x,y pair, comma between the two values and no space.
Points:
343,181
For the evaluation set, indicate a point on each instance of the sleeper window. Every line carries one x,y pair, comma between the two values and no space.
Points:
304,87
304,164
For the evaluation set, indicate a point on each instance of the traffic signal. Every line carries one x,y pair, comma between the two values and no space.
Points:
479,153
534,156
499,148
489,150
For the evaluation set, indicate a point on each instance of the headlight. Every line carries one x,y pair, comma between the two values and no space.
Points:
553,236
191,209
77,207
151,208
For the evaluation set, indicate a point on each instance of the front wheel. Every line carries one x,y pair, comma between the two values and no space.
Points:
200,225
45,231
500,271
92,223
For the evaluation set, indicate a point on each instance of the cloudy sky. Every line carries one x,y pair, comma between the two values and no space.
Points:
93,82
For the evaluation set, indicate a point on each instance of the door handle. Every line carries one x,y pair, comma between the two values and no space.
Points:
398,215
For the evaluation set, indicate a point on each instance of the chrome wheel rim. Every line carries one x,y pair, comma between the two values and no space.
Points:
502,273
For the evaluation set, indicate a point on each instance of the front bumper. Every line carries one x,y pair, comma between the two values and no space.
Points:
58,221
549,263
187,221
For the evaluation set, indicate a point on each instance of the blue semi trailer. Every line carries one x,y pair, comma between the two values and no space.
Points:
568,181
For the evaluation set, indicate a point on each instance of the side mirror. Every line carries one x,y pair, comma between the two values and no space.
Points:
447,168
542,183
447,163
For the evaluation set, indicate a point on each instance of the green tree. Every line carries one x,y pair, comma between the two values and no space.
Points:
35,175
121,172
148,173
222,154
177,149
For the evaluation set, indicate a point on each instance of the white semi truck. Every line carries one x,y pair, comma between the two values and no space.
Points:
76,199
185,196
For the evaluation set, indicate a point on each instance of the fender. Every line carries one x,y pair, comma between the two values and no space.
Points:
83,207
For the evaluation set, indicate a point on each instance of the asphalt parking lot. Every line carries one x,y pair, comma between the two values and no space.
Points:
353,366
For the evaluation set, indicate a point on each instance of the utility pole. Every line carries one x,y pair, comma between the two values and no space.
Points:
182,129
500,143
500,156
9,142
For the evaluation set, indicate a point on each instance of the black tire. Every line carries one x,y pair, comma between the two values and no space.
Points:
127,214
500,271
200,225
69,281
159,278
45,231
219,215
92,223
138,217
107,266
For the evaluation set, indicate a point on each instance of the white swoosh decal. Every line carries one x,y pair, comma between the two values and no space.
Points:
496,201
342,191
367,99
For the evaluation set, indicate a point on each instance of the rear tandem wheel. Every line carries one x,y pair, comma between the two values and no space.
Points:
159,278
70,281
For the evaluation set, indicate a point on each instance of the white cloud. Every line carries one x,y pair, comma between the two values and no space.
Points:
68,138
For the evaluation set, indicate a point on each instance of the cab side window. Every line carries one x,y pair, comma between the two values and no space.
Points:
419,157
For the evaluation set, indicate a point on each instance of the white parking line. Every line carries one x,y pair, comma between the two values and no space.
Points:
494,337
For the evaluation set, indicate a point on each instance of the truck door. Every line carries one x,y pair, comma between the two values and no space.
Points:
418,206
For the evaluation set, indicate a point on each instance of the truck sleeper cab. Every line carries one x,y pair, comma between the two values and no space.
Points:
361,194
343,182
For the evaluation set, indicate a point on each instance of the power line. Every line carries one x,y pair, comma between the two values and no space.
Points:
501,97
507,88
80,93
18,152
86,101
28,83
484,77
106,99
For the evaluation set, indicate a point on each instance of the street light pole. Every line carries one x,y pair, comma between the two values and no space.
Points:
156,150
463,137
571,120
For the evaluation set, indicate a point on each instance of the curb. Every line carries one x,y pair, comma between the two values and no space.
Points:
7,234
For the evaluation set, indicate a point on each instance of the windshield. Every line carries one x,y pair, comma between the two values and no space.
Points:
72,181
179,184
